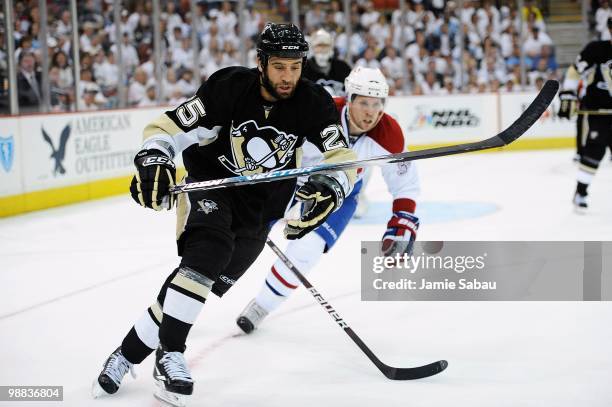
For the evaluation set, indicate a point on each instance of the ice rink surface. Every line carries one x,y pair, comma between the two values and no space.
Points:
74,279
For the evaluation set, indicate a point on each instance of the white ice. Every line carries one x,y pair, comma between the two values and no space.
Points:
74,279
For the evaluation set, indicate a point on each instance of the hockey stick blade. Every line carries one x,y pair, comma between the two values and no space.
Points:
509,135
393,373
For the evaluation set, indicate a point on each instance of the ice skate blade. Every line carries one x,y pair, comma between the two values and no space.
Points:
169,398
97,391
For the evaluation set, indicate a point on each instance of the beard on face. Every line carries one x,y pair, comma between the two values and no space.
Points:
284,89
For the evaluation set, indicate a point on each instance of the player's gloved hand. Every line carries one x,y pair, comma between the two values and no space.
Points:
400,234
155,174
569,104
321,195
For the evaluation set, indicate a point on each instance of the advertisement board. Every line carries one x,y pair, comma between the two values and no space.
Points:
11,153
76,148
444,119
549,125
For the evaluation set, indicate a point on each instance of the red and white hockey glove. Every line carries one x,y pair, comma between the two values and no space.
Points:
400,234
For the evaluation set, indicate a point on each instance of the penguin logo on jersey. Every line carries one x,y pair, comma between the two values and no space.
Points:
207,206
258,149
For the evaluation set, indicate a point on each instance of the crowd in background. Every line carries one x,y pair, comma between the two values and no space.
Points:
420,52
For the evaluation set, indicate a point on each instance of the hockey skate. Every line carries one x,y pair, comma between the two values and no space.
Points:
251,317
173,381
109,380
580,203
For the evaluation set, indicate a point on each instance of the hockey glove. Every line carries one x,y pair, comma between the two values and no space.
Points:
400,235
155,174
321,195
569,104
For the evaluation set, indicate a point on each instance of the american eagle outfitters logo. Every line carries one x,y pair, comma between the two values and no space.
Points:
58,154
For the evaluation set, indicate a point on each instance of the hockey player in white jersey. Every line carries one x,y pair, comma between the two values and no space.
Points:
371,133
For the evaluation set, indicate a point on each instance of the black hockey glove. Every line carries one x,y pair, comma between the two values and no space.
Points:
569,104
155,174
321,195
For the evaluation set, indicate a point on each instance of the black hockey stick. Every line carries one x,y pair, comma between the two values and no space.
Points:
516,129
393,373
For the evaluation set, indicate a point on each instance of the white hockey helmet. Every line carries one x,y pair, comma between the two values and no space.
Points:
322,37
366,82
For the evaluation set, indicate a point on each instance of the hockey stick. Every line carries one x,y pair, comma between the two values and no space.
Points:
393,373
516,129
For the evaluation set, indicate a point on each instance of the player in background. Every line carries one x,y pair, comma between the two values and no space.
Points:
580,90
240,122
330,72
371,133
323,67
594,66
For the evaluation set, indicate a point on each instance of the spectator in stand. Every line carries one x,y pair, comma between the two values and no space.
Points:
430,85
149,98
380,31
369,59
128,53
169,85
137,89
602,15
63,25
314,18
535,41
172,18
227,20
183,56
87,82
28,82
230,55
392,64
88,100
175,38
186,83
369,16
336,13
59,60
106,73
531,8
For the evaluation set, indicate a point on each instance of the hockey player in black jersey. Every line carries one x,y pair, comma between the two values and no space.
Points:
323,68
240,122
594,66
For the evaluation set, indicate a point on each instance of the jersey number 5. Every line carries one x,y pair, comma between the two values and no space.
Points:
190,112
333,138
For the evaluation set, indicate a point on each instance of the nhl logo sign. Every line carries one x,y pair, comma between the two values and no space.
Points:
7,152
258,149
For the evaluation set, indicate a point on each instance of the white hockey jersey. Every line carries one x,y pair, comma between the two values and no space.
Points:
386,138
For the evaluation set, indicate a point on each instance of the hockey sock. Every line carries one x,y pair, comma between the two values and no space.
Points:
586,172
143,338
581,189
185,297
281,281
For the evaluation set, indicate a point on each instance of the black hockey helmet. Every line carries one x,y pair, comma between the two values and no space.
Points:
281,40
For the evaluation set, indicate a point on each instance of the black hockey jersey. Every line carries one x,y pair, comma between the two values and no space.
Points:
334,80
594,66
227,128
